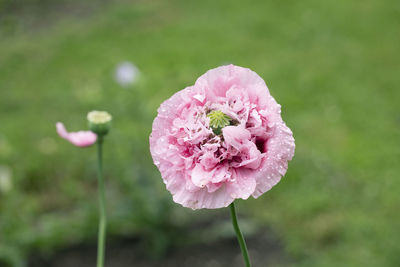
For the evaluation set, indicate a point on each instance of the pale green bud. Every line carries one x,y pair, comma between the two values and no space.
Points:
99,122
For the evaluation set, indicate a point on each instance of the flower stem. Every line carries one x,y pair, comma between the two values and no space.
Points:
102,206
239,235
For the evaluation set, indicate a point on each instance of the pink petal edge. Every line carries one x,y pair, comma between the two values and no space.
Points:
79,139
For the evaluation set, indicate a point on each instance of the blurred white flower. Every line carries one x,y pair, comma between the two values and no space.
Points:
5,179
126,73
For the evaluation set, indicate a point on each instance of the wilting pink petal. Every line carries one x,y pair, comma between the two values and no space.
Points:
80,139
207,169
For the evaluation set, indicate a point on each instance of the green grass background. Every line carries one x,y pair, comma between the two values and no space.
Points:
332,65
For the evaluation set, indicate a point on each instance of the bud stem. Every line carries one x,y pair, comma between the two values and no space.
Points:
102,205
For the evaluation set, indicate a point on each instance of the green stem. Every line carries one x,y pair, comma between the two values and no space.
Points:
239,235
102,206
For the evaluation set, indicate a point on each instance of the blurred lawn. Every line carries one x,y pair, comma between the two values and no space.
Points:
332,65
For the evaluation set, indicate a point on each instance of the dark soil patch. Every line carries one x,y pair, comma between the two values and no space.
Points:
264,249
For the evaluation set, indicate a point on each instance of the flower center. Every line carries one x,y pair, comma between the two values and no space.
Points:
218,120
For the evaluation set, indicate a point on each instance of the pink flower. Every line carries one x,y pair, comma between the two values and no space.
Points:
80,139
221,139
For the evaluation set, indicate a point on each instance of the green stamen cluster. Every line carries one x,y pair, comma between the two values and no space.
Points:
218,120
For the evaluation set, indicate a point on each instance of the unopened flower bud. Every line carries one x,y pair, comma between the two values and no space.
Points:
99,122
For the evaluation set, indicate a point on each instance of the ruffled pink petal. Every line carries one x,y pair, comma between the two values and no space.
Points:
200,177
204,170
219,80
243,185
251,156
279,150
208,160
80,139
202,198
235,136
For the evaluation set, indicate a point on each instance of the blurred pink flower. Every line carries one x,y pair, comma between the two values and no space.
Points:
80,139
221,139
